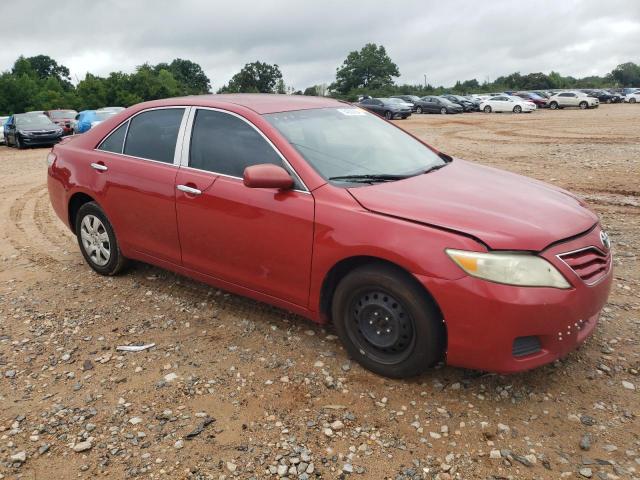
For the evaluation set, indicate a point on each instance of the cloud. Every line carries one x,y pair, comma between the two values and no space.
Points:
447,41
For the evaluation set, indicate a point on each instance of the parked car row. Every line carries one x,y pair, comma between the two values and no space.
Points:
47,127
402,106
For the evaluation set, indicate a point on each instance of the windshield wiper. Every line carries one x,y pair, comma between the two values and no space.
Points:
370,177
436,167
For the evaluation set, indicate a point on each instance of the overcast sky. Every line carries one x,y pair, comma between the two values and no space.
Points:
446,40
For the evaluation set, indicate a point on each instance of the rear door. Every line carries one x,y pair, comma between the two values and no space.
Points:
135,168
256,238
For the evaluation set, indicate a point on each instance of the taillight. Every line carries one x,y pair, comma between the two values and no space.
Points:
51,157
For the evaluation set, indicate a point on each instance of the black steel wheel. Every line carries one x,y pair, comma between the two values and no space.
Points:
387,321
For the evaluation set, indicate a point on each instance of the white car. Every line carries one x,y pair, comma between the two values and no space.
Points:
572,99
507,103
632,97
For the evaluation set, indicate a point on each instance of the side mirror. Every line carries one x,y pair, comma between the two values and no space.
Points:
267,175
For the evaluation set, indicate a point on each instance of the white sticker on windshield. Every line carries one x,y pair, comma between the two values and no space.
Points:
351,112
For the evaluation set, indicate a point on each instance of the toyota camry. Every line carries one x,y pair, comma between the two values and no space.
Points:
324,209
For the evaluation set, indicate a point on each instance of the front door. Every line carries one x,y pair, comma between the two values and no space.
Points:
259,239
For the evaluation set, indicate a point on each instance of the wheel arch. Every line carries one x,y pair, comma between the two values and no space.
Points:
339,270
75,202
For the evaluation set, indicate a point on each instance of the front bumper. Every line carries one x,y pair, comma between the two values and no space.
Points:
40,140
484,319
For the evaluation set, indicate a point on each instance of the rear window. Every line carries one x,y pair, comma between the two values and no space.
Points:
153,134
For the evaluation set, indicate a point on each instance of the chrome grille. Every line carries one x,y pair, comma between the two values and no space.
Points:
590,264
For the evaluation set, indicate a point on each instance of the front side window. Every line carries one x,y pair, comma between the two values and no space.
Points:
223,143
114,142
153,134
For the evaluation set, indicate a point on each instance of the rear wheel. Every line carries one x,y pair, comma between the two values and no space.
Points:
388,115
583,105
517,109
632,100
97,240
443,111
553,105
387,322
487,109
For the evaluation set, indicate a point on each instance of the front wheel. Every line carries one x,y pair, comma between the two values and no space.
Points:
553,105
388,115
97,240
419,110
632,100
583,105
387,322
443,111
19,144
487,109
517,109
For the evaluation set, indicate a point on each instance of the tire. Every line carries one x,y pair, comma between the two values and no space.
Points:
97,240
404,345
553,105
632,100
583,105
419,110
487,109
443,111
388,115
517,109
19,144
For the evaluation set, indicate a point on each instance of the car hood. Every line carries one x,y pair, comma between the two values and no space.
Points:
503,210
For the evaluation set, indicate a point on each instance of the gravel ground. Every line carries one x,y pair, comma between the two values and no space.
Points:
238,389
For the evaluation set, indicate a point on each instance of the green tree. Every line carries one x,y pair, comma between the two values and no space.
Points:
370,67
626,75
256,77
43,67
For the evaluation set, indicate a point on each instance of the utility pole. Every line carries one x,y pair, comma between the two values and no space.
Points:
425,80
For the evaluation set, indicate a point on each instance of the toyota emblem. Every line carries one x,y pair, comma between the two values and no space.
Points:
604,239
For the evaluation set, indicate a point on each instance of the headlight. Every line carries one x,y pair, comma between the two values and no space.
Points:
522,269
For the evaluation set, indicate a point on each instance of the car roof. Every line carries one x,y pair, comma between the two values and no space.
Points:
260,103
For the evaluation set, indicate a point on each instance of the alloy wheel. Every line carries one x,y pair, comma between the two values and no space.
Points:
95,240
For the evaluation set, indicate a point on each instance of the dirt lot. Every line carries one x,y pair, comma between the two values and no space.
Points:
284,395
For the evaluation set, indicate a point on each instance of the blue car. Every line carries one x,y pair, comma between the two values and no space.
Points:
84,120
91,118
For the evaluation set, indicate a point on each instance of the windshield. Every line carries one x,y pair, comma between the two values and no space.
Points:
103,115
33,121
62,114
445,100
341,142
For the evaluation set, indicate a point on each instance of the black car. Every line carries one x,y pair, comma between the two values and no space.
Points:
603,96
386,107
418,103
32,129
440,105
466,104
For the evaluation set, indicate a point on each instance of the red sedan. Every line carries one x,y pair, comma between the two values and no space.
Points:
324,209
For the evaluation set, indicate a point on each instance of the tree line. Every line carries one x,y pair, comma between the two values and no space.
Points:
40,83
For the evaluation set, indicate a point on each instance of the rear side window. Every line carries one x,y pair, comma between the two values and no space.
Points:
153,134
223,143
115,141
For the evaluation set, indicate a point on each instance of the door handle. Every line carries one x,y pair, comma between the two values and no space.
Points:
190,190
100,167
